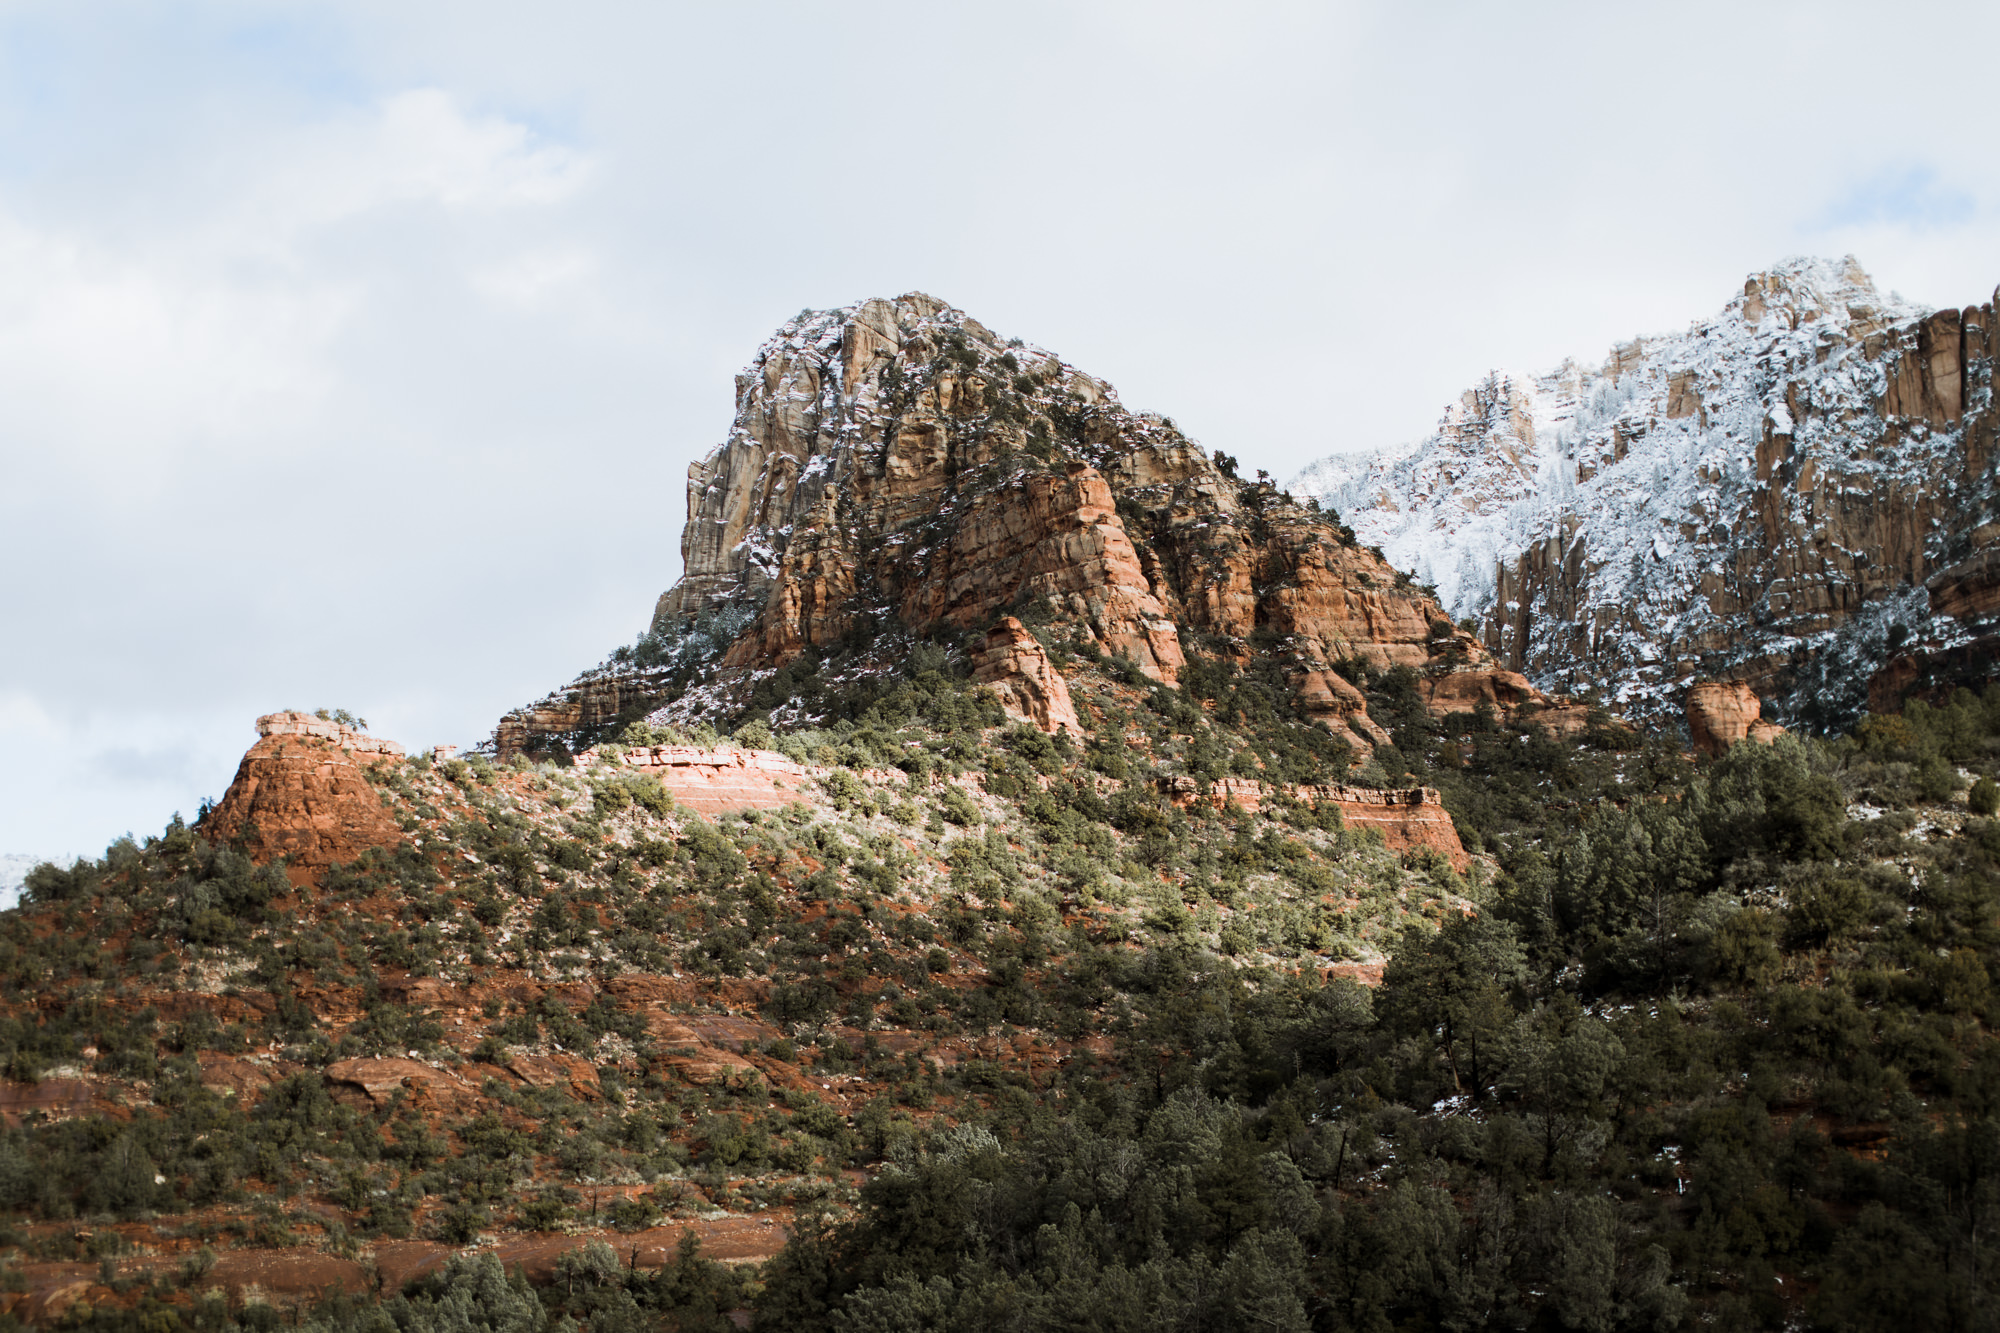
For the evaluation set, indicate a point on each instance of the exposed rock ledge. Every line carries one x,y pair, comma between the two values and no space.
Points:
714,782
1406,817
1012,661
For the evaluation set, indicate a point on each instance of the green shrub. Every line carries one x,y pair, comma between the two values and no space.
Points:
1743,950
1984,798
634,1214
1935,779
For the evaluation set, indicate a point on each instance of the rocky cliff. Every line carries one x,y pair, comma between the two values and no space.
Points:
896,472
1760,498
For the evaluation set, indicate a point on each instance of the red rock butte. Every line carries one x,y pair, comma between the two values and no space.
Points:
897,463
301,793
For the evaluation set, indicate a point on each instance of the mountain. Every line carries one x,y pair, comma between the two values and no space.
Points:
1024,877
1787,494
897,474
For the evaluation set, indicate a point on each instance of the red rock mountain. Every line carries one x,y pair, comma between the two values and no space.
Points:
896,471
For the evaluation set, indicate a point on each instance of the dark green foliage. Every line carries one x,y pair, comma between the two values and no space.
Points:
1984,798
1698,1033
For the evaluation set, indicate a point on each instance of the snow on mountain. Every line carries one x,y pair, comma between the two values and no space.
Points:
1720,501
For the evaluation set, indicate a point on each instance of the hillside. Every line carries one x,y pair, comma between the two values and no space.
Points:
1789,493
1036,880
539,1005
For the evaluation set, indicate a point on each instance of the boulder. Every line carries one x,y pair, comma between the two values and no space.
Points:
1721,714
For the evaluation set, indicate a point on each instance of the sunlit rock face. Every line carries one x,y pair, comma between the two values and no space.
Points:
896,467
302,793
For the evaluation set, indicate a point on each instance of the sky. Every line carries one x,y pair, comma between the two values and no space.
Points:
353,354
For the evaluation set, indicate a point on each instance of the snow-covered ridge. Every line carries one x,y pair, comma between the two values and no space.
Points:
1606,522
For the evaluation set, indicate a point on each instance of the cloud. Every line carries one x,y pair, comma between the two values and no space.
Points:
1910,195
413,148
206,335
77,780
216,424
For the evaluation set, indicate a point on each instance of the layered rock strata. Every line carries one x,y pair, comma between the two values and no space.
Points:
301,793
895,465
719,781
1407,818
579,713
1012,662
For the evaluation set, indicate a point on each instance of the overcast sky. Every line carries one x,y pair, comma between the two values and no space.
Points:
353,355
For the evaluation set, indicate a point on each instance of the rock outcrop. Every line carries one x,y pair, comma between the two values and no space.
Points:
301,793
1721,714
1762,498
1409,819
717,781
1406,818
1020,673
896,468
583,712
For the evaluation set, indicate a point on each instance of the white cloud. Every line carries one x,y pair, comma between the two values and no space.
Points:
532,278
118,359
412,148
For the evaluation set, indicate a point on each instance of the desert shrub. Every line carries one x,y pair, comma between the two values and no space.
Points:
957,808
1984,797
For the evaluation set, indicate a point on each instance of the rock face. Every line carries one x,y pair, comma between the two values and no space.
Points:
1763,498
1013,663
895,467
1962,646
720,781
590,703
300,793
1407,818
378,1081
1719,715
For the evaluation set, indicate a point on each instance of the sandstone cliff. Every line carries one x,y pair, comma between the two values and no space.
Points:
1761,498
1012,662
896,469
